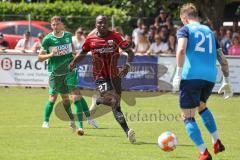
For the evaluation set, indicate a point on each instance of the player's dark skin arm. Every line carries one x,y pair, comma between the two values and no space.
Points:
126,67
223,62
76,59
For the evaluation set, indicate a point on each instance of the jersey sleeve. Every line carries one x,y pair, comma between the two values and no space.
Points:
86,45
183,32
121,42
45,45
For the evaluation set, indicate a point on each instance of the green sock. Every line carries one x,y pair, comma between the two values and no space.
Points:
67,107
48,110
79,112
85,107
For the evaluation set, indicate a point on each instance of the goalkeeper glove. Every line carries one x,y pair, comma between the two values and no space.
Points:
177,79
226,88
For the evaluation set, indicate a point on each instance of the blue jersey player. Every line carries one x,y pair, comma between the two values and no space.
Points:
195,77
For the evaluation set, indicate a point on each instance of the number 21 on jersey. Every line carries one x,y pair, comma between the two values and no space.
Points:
200,47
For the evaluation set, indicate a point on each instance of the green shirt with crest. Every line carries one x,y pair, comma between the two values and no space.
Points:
58,64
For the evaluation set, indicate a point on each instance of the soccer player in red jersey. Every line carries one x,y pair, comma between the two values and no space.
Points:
104,45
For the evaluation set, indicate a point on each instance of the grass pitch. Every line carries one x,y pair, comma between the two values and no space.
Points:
22,138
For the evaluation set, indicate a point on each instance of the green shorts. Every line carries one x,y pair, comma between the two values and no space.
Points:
62,84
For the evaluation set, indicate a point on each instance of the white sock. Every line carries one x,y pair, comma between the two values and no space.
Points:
215,137
202,148
89,118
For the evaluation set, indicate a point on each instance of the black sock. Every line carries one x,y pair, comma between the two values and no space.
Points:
120,118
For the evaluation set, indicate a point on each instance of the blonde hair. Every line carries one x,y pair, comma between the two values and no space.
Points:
189,9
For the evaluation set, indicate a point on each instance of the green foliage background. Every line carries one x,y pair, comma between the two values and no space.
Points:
74,14
83,12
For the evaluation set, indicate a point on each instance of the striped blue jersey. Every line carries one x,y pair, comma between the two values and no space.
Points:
201,52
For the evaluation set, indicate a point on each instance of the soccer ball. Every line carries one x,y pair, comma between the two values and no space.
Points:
80,132
167,141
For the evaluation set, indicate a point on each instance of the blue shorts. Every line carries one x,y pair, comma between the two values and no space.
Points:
194,91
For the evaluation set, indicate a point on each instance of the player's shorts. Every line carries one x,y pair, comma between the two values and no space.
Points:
62,84
104,85
194,91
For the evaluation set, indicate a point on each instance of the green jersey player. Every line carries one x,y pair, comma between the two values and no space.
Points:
58,49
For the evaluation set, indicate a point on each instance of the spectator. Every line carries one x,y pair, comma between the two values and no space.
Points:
26,43
235,29
238,33
37,45
128,38
222,36
151,34
222,32
157,25
78,39
3,44
162,17
170,26
158,47
144,29
164,34
142,45
172,44
136,31
227,43
235,47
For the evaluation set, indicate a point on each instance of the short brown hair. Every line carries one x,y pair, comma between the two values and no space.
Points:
79,29
56,18
189,10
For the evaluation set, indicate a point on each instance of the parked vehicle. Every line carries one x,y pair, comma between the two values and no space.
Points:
14,30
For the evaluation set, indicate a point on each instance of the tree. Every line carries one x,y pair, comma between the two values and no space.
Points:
238,11
135,8
212,11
